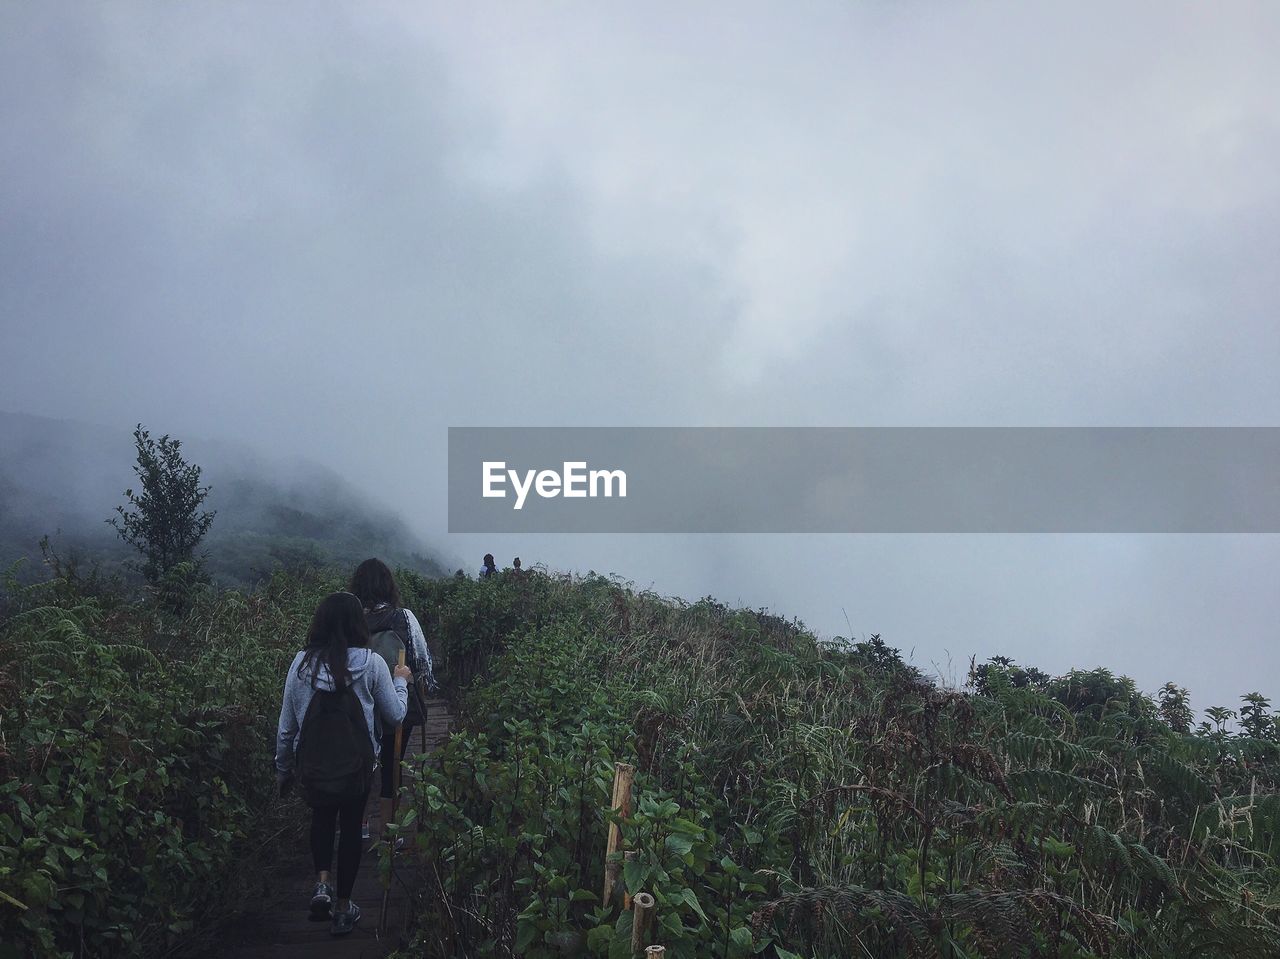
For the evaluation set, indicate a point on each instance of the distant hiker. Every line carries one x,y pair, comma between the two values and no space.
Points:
488,569
515,564
335,691
393,629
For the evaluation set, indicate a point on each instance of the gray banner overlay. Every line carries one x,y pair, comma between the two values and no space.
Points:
866,480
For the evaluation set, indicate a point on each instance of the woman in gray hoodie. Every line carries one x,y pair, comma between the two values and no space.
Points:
337,655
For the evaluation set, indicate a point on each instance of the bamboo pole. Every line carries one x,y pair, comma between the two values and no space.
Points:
641,922
624,775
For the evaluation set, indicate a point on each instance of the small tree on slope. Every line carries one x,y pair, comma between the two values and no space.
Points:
165,523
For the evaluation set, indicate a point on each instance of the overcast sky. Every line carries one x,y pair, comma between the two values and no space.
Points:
336,232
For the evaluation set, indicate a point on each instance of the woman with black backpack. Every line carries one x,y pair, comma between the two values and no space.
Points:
335,691
394,628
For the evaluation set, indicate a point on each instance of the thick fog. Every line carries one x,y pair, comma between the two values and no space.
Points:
332,232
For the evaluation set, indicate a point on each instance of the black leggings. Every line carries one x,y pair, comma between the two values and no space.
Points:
347,818
389,766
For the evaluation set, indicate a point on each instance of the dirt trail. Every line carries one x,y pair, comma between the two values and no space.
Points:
279,927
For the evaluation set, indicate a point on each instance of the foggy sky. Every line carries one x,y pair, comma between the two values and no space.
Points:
334,232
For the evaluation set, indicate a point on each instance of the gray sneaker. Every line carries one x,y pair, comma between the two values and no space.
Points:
344,922
321,901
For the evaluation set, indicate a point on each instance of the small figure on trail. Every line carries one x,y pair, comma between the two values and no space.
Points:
515,564
488,569
393,629
335,692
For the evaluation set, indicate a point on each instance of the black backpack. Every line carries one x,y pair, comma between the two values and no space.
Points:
388,635
334,758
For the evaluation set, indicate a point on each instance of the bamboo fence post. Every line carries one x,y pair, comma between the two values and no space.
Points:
641,922
624,775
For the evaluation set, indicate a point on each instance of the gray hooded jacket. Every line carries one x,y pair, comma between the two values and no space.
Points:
373,685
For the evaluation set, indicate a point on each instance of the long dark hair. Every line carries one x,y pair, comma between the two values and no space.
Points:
373,583
337,626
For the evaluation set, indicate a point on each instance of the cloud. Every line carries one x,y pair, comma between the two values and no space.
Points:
335,232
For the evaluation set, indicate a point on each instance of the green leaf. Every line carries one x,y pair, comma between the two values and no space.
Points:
620,945
635,874
740,939
679,845
525,936
690,898
671,923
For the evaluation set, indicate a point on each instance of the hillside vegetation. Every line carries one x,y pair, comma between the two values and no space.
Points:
795,799
792,798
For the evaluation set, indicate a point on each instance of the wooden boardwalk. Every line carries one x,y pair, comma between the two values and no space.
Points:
280,928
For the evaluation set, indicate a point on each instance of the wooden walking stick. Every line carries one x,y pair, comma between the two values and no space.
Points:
391,849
